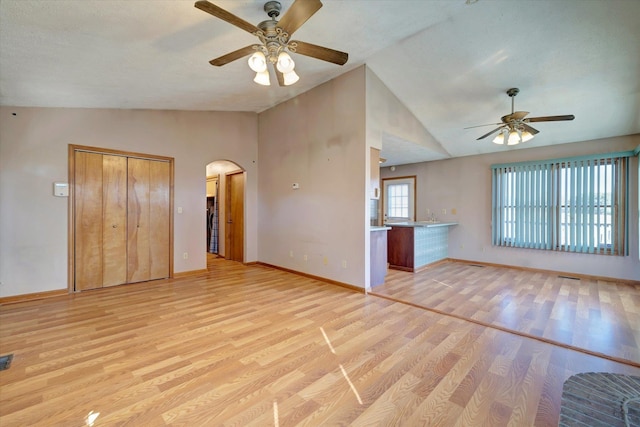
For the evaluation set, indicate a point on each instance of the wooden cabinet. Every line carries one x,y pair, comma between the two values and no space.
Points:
400,248
121,219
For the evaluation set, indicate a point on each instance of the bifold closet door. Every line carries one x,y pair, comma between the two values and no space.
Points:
148,220
159,219
88,220
100,220
114,227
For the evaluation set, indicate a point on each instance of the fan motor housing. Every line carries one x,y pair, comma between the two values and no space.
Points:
513,91
273,8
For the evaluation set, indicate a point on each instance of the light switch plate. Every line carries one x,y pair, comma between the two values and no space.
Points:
61,189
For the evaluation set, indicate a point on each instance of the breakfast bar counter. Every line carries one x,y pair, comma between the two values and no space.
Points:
416,244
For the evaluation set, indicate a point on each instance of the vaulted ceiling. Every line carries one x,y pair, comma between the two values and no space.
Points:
449,62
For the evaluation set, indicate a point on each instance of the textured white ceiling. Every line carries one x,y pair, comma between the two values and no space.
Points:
450,63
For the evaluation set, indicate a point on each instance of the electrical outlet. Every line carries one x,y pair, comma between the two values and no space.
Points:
325,261
428,211
444,211
344,263
185,255
305,257
290,254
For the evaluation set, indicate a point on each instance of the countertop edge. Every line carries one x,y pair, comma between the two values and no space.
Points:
421,224
379,228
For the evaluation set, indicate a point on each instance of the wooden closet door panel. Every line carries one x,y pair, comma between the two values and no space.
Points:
138,220
159,215
88,220
114,229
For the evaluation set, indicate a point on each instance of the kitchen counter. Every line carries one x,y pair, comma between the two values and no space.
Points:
428,224
413,245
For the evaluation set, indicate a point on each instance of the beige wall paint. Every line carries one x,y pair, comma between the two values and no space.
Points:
318,141
389,118
465,184
33,155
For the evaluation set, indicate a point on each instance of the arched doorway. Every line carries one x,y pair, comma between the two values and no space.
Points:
225,210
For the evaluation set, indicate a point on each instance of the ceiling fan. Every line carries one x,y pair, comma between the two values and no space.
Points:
275,40
514,128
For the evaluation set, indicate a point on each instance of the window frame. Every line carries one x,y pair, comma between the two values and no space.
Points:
411,182
530,206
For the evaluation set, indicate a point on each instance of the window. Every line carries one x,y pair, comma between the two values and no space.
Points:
399,198
572,205
398,204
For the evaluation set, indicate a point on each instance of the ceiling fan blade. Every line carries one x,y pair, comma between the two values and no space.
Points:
531,130
232,56
550,118
279,75
479,126
299,12
232,19
518,115
318,52
489,133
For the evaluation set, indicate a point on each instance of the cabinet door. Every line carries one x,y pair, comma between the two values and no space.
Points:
138,220
88,220
159,219
114,228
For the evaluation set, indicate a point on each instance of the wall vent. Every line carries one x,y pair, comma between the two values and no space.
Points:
5,361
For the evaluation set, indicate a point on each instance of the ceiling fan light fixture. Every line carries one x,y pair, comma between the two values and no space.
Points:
285,63
290,78
262,78
258,62
515,137
502,137
526,136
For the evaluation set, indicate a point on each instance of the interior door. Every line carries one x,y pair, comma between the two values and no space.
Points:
234,230
114,224
121,219
88,220
138,220
159,219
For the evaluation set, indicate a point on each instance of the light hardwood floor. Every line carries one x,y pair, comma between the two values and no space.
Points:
596,316
250,345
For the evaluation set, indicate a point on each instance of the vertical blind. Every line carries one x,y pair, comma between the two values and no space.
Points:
576,204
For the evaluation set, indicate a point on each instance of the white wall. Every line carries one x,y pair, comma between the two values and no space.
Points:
389,118
318,141
33,154
465,184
